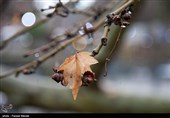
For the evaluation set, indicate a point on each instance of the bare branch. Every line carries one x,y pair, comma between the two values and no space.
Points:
4,42
107,28
113,49
34,64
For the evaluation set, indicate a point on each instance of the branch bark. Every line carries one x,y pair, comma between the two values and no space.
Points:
112,41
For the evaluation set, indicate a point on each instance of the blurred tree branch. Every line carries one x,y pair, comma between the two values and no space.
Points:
113,41
34,64
4,42
88,101
3,5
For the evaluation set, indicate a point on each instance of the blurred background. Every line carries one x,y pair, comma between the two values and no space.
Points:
138,77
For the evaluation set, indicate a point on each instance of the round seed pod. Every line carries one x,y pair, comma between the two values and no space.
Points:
58,77
87,78
88,27
126,16
117,20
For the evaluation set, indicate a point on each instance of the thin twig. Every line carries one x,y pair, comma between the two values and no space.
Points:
55,40
46,56
113,49
123,7
4,42
22,31
46,47
103,41
82,12
107,28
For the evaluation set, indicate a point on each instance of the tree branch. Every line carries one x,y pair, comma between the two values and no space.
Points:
4,42
107,29
34,64
21,93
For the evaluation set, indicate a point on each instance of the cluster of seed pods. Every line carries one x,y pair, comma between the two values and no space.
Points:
87,78
121,19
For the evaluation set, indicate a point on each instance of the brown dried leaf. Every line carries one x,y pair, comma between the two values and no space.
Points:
73,68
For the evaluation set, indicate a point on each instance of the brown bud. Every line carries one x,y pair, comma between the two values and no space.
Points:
123,12
58,77
87,78
126,16
117,20
104,41
88,28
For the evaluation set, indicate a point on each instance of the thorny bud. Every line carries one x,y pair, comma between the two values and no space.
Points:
87,78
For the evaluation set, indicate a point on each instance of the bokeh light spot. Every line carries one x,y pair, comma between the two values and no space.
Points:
28,19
